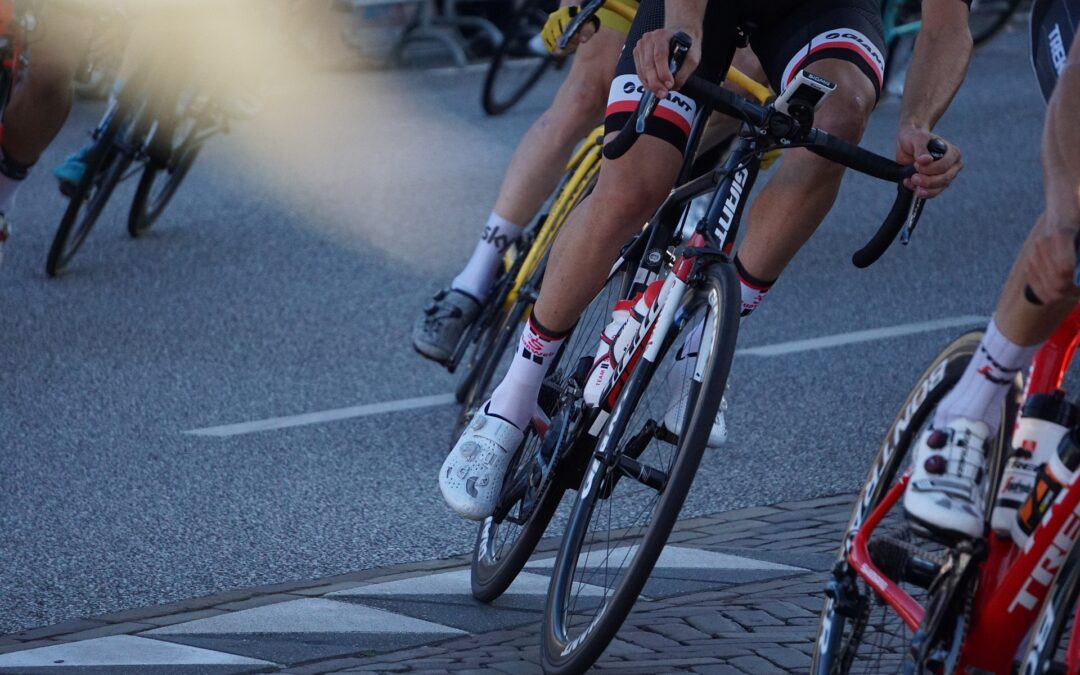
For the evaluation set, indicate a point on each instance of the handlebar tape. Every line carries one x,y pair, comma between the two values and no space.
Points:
883,238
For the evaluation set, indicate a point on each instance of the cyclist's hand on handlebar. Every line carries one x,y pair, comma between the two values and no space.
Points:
1051,264
556,25
652,55
932,175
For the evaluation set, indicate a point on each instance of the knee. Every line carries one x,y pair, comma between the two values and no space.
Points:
622,202
578,107
48,86
846,111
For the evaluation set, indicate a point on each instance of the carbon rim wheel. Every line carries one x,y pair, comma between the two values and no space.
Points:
1048,648
105,168
519,62
625,508
502,548
857,631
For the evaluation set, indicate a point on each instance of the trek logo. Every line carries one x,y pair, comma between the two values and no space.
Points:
1048,565
1057,49
679,101
731,205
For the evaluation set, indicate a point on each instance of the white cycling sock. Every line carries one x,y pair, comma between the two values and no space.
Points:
515,398
985,382
476,278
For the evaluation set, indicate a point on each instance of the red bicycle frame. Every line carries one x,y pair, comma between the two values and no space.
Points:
1013,581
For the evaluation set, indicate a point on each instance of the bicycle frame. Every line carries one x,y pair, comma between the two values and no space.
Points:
1013,582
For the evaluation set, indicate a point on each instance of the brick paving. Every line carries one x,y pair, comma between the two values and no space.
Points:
763,626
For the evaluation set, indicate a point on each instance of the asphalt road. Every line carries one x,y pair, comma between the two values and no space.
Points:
284,280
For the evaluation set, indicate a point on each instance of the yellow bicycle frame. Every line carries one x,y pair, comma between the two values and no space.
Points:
584,165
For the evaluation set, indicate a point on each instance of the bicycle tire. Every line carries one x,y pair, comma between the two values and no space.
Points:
147,206
105,166
986,22
718,294
525,24
1044,648
494,570
843,622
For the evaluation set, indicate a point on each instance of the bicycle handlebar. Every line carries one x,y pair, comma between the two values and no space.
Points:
817,141
587,12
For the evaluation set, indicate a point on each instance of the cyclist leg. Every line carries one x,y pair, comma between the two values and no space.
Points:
534,171
40,106
1047,261
802,191
627,192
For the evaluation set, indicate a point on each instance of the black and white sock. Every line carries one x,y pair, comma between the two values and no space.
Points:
753,289
479,272
515,398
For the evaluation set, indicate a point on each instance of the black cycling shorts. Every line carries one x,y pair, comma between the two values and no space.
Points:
1053,29
786,36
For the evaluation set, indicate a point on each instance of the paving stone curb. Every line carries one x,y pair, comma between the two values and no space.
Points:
754,627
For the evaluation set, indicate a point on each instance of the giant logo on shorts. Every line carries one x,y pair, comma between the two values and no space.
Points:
627,90
840,38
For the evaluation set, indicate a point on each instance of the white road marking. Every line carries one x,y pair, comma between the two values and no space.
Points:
679,557
310,615
860,336
779,349
457,583
121,650
325,416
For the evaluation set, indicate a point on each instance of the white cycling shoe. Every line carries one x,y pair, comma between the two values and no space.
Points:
945,492
472,475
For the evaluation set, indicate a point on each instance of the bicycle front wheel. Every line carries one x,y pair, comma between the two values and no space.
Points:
519,62
858,632
105,167
1050,647
639,476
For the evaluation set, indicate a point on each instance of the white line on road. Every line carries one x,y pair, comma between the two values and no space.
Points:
325,416
779,349
860,336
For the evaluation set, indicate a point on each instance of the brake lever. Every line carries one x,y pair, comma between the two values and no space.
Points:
679,48
937,149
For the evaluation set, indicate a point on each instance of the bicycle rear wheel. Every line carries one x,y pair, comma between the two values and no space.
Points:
519,62
988,17
160,179
503,545
858,632
638,478
105,167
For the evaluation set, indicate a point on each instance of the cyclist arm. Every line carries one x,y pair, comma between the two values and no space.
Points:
1052,262
651,52
938,66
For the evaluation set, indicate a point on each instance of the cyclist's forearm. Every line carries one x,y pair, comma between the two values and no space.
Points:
1061,150
937,69
685,15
